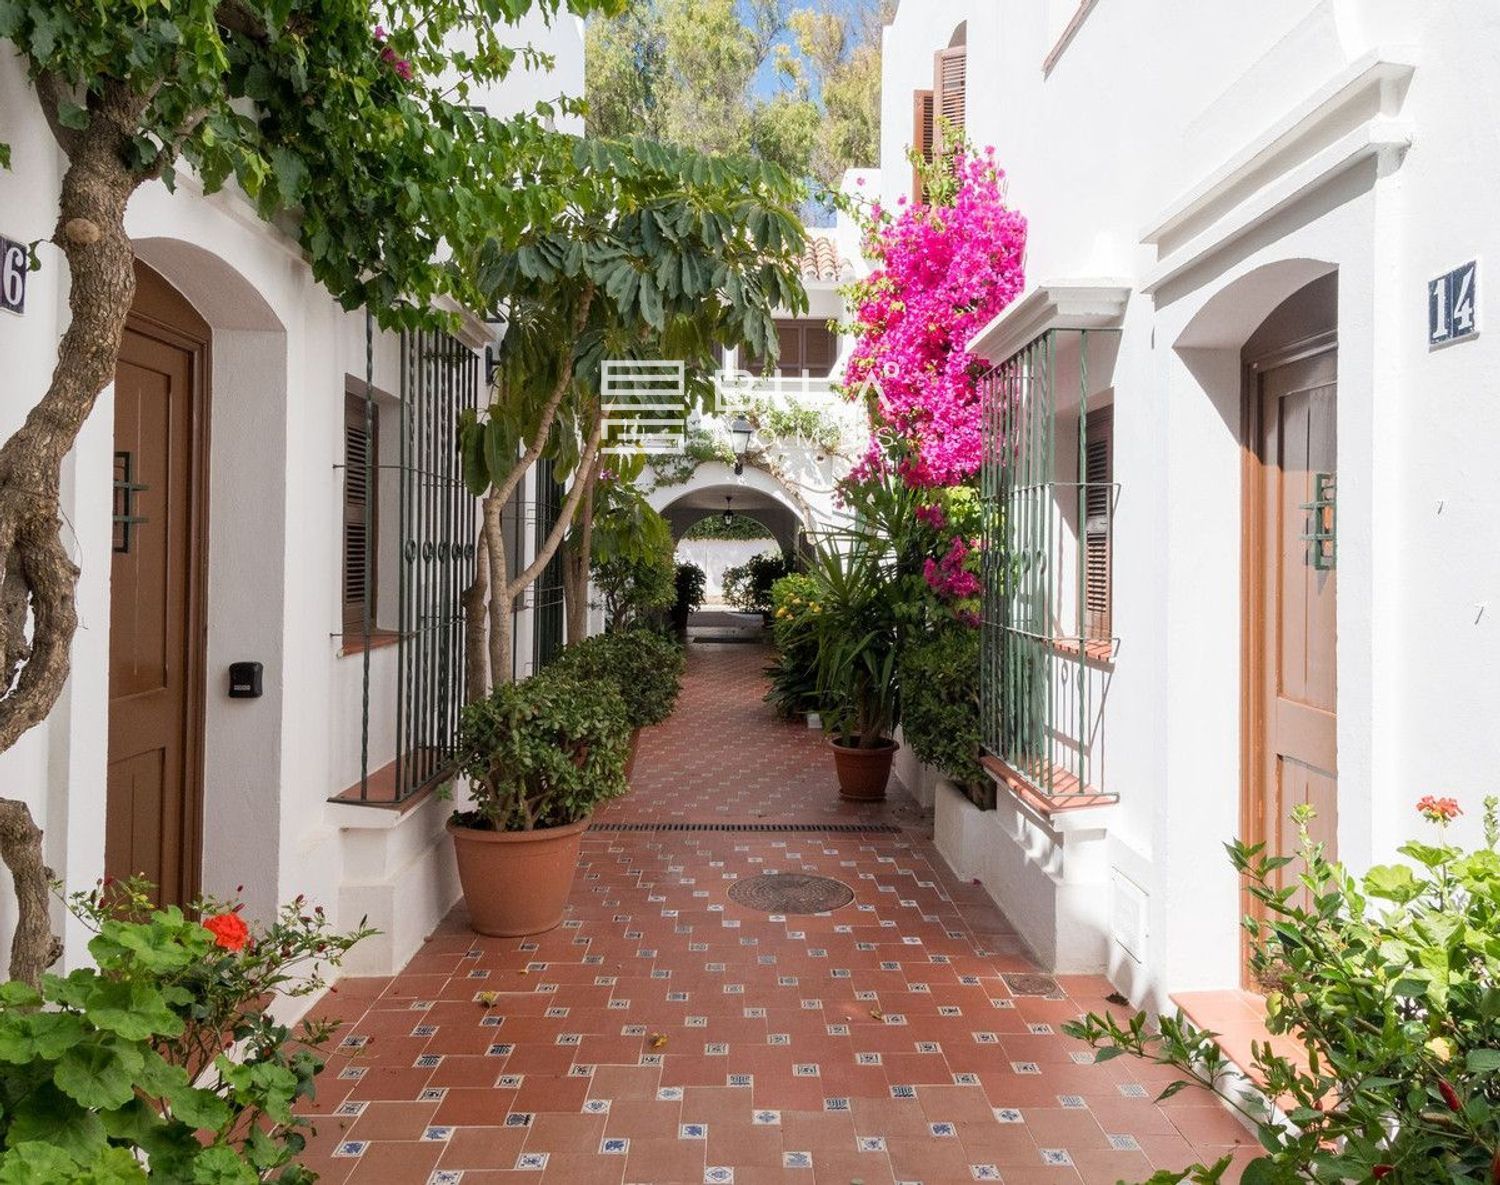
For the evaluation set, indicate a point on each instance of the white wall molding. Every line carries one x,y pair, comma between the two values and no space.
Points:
1057,304
1352,117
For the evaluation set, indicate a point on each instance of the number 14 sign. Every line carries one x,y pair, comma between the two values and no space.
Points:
1453,305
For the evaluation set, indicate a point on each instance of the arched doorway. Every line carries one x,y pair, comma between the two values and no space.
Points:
154,780
1291,567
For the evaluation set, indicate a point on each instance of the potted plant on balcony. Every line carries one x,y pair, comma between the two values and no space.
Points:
642,668
540,755
858,634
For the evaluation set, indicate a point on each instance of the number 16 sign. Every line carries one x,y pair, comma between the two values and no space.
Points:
15,262
1453,305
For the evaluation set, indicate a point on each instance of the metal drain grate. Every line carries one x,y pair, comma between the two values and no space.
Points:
851,828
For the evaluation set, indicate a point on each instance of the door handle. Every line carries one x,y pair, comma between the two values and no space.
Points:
1321,535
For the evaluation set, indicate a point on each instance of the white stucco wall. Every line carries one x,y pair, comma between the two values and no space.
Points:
1148,99
280,353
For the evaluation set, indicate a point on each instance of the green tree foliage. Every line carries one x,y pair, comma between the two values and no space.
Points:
691,72
662,253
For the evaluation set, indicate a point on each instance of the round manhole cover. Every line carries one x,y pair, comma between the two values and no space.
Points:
791,892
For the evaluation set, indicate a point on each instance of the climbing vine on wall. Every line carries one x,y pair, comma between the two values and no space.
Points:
943,269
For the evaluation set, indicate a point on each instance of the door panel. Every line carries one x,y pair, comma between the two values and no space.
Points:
155,679
1293,744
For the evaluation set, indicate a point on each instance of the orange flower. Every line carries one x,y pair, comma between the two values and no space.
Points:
1438,810
229,931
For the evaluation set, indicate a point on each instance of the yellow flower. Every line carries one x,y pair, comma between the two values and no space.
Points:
1440,1048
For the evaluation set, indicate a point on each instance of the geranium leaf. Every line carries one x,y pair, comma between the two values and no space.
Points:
97,1075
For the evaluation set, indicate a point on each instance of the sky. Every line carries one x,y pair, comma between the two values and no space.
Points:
767,82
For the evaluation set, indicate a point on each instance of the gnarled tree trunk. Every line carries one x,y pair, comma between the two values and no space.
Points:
38,615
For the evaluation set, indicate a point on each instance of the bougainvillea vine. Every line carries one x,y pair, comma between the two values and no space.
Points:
941,272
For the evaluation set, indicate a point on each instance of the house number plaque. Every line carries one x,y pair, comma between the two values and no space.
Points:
15,266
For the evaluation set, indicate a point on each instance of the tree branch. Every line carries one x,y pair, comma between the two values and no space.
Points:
565,516
554,401
51,91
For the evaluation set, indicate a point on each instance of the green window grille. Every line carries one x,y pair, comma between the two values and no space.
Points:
1048,498
547,594
437,523
440,378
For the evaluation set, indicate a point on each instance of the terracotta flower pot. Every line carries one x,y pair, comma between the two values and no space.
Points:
863,773
517,882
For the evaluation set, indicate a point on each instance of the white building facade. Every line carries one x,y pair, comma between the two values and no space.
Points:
212,514
1284,588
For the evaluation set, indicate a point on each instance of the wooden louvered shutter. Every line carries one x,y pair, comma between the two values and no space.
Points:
789,335
923,131
360,494
950,73
819,347
1098,527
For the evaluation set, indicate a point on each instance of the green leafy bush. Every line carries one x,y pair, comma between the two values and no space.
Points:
939,674
543,752
642,668
631,554
794,673
692,584
163,1052
1389,987
748,586
857,627
637,589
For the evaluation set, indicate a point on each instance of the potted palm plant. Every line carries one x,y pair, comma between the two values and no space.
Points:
540,756
643,668
858,632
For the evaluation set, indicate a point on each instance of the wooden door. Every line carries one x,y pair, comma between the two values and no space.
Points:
1292,634
153,807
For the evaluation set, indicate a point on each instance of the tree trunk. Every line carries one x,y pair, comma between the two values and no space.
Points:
501,596
39,576
577,558
476,653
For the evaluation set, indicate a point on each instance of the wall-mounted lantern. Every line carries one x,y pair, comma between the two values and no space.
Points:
740,433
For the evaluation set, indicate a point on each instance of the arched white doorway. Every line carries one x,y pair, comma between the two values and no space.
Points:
245,512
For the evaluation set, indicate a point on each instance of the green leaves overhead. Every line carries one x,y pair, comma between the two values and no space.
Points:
356,117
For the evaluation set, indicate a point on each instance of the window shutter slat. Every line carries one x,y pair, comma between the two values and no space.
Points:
819,348
1098,523
950,79
923,131
361,504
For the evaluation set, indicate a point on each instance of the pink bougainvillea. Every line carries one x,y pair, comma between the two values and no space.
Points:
942,272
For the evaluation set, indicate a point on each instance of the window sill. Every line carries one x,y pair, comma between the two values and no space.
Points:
358,643
380,791
1100,652
1066,799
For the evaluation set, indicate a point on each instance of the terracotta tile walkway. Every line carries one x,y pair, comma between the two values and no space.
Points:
665,1034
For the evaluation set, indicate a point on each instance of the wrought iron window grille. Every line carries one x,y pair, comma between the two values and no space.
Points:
435,554
1047,640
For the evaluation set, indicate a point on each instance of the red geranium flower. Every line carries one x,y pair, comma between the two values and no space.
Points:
1438,810
229,931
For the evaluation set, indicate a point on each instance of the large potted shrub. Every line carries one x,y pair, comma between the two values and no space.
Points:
857,628
540,755
641,667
